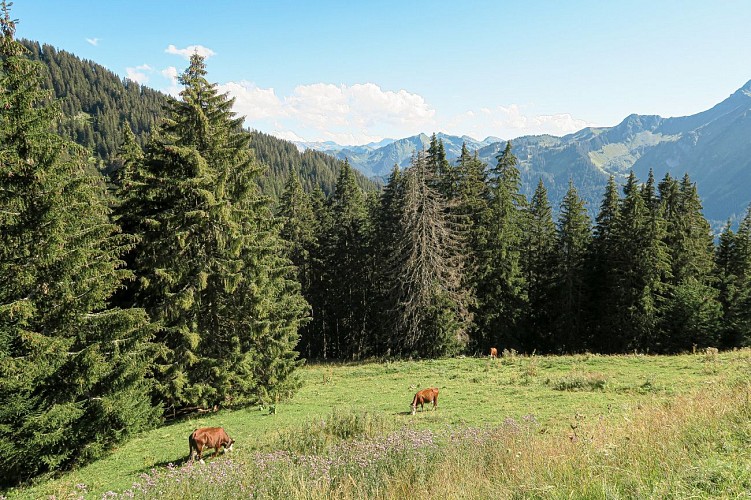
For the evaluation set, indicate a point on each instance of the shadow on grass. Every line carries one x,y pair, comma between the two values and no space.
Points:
180,462
164,464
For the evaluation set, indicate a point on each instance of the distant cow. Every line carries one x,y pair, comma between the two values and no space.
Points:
209,437
425,396
493,352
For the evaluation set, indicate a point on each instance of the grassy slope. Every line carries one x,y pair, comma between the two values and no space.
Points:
473,392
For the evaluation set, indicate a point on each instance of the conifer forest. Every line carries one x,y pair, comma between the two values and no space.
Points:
158,259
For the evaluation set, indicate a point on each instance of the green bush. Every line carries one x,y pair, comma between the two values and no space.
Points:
580,381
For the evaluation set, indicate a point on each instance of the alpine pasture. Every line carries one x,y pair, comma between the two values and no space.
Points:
583,426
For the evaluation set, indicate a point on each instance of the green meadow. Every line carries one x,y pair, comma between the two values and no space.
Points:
584,426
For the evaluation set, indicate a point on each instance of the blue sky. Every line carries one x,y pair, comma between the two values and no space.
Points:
355,71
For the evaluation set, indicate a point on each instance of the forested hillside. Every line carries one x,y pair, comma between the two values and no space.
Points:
96,104
314,168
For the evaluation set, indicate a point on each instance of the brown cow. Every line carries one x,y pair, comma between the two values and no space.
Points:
425,396
493,352
209,437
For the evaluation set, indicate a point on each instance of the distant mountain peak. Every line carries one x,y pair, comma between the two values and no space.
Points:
744,91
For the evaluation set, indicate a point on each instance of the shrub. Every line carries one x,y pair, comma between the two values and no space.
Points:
318,435
581,381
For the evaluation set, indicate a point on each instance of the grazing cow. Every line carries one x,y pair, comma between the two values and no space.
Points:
425,396
209,437
493,352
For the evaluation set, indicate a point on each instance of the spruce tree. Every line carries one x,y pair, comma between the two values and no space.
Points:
472,209
740,313
431,309
211,267
640,268
691,313
733,264
572,244
387,234
300,231
601,278
443,175
72,368
500,288
539,267
345,247
317,335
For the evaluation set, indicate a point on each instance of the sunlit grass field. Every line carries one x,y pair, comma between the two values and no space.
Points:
584,426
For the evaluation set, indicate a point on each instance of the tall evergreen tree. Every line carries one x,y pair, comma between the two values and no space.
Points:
573,241
72,368
649,193
317,335
641,265
344,262
500,289
733,270
443,175
539,267
601,277
740,313
387,235
211,267
691,313
300,231
432,316
127,179
727,284
472,208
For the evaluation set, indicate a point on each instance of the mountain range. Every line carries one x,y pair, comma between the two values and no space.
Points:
713,147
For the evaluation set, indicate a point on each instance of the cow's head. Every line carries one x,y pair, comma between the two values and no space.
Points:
414,409
228,446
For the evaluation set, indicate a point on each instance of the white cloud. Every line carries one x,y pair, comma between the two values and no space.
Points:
253,102
562,122
363,113
360,106
174,88
287,135
171,73
138,74
189,51
347,114
510,122
93,41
